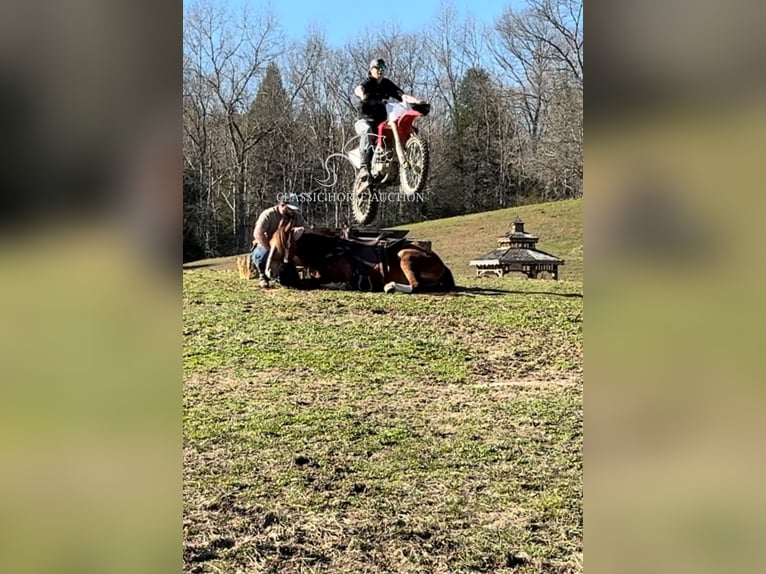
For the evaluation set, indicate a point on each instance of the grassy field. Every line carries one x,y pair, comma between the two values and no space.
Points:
333,431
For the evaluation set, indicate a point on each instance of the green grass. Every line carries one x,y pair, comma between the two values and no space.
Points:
344,432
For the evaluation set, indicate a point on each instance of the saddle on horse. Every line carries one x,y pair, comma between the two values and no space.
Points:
371,259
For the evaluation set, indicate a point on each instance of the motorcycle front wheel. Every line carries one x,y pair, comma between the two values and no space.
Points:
412,179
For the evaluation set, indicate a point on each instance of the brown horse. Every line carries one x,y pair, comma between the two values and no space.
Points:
403,265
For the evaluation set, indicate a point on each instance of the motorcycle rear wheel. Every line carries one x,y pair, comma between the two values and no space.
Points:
364,204
413,178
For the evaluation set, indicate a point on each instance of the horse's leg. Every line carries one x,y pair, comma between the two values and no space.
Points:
406,266
396,281
393,286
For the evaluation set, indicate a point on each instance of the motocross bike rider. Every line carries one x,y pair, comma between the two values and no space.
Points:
372,93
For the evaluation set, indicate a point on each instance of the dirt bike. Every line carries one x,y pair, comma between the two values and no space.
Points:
400,158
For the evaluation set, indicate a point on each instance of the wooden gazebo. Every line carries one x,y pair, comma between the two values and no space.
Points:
516,252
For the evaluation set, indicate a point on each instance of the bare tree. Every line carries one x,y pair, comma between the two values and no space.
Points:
564,20
540,51
522,129
225,57
453,48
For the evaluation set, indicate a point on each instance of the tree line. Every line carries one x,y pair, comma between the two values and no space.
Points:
262,115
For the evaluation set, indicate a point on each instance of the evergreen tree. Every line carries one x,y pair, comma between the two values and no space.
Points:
270,162
470,175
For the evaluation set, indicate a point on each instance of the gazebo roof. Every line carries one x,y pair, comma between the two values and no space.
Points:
517,232
515,255
519,235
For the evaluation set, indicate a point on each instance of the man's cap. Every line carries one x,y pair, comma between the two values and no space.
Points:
292,207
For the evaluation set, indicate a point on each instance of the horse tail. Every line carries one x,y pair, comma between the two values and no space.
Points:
447,282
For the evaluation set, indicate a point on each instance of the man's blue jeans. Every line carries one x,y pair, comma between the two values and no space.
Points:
259,256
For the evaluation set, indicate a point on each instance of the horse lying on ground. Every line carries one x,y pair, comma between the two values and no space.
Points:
401,265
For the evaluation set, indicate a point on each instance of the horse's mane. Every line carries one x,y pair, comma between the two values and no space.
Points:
279,240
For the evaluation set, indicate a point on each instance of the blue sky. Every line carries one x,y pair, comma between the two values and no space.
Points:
344,20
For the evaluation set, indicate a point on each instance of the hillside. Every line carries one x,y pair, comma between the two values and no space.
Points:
559,225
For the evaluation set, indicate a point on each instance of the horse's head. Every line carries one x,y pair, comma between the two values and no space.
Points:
282,247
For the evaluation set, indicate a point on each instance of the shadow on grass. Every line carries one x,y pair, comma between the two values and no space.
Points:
199,264
490,291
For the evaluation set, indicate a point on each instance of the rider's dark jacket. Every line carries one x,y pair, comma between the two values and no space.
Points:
373,107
